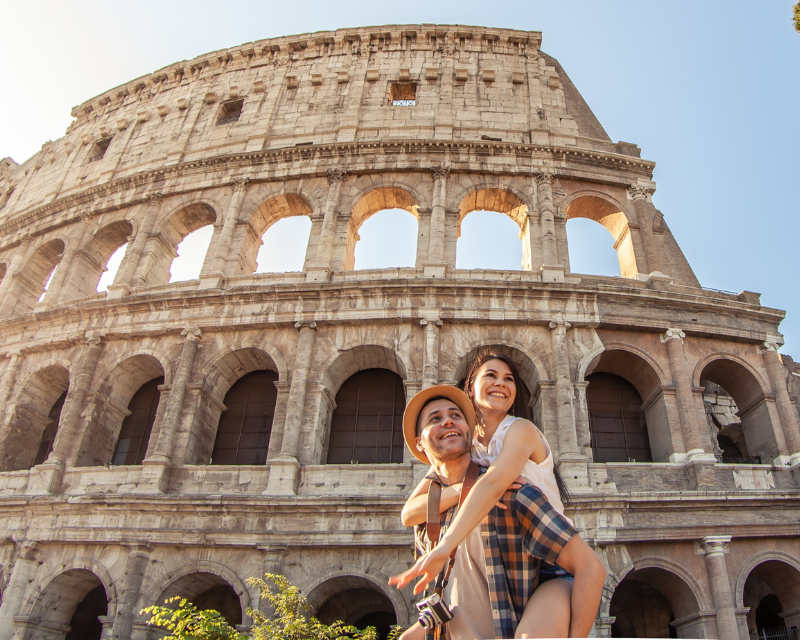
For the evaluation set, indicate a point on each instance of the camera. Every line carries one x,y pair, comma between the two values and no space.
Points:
433,612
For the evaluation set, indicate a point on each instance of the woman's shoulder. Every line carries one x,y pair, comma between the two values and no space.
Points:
524,426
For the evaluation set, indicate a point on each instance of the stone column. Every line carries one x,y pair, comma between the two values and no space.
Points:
430,367
531,242
321,271
699,455
9,379
778,381
135,567
714,550
154,468
639,195
219,265
21,575
54,291
436,264
274,559
565,409
67,440
7,302
123,280
284,471
551,269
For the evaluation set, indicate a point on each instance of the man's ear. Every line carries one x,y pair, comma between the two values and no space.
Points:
418,444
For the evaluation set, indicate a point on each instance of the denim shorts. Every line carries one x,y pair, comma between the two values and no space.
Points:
552,572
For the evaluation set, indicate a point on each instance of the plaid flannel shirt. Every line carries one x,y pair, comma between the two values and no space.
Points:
514,541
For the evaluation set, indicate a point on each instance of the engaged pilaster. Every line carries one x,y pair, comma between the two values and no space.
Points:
219,266
14,593
778,380
135,568
155,476
551,269
430,367
123,282
322,269
284,471
714,548
7,302
436,264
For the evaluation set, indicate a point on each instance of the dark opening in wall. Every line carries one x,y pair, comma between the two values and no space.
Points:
403,94
99,149
230,111
49,434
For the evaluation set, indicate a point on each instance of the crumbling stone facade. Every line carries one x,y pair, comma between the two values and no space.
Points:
439,121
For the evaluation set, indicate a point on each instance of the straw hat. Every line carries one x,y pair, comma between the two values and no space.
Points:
411,414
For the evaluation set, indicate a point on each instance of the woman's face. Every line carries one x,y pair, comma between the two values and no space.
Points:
493,387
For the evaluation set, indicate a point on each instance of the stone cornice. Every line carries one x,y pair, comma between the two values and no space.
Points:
356,158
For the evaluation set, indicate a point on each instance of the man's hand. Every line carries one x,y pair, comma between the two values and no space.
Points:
428,566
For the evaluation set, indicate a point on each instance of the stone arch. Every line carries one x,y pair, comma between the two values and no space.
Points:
770,573
61,593
162,249
222,371
506,200
29,418
369,202
357,358
322,586
639,369
28,285
194,578
608,212
674,584
272,209
114,394
90,261
756,410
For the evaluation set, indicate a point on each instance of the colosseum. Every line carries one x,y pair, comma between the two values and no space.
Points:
135,461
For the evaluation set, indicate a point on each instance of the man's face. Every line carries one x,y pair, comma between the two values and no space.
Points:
444,434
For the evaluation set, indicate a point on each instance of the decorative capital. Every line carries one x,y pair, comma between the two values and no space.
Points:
28,549
442,172
543,177
639,192
773,342
336,176
559,323
195,335
153,198
307,324
715,545
672,334
85,215
240,184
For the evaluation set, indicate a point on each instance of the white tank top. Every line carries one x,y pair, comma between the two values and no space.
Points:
539,475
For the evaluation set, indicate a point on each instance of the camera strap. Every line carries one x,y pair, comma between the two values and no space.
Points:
433,526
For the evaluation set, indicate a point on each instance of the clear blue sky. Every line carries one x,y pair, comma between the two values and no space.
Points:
710,90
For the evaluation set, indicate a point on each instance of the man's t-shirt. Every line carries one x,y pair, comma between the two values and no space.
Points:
467,592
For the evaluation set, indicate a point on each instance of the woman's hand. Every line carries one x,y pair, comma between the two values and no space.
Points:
428,566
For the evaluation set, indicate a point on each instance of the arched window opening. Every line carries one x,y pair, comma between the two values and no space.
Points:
221,598
191,253
134,436
49,433
112,267
246,425
771,595
367,424
47,284
284,247
387,239
489,240
737,409
85,623
361,608
3,269
725,423
591,250
616,420
641,612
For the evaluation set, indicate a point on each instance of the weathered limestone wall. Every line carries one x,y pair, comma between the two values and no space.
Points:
498,126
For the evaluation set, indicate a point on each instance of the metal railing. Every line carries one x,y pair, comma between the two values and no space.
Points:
776,633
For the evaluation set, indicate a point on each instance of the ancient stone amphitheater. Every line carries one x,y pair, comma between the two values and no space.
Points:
177,438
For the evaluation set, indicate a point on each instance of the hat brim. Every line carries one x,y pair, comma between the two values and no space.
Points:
416,404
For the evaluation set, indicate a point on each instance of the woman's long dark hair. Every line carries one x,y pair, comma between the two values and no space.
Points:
519,409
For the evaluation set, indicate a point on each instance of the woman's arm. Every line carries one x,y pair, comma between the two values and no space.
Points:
415,510
520,442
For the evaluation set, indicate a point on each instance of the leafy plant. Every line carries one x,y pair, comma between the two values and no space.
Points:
289,622
797,17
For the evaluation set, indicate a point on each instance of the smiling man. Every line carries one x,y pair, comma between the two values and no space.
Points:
495,570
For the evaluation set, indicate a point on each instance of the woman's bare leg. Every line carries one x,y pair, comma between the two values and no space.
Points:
547,613
415,632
